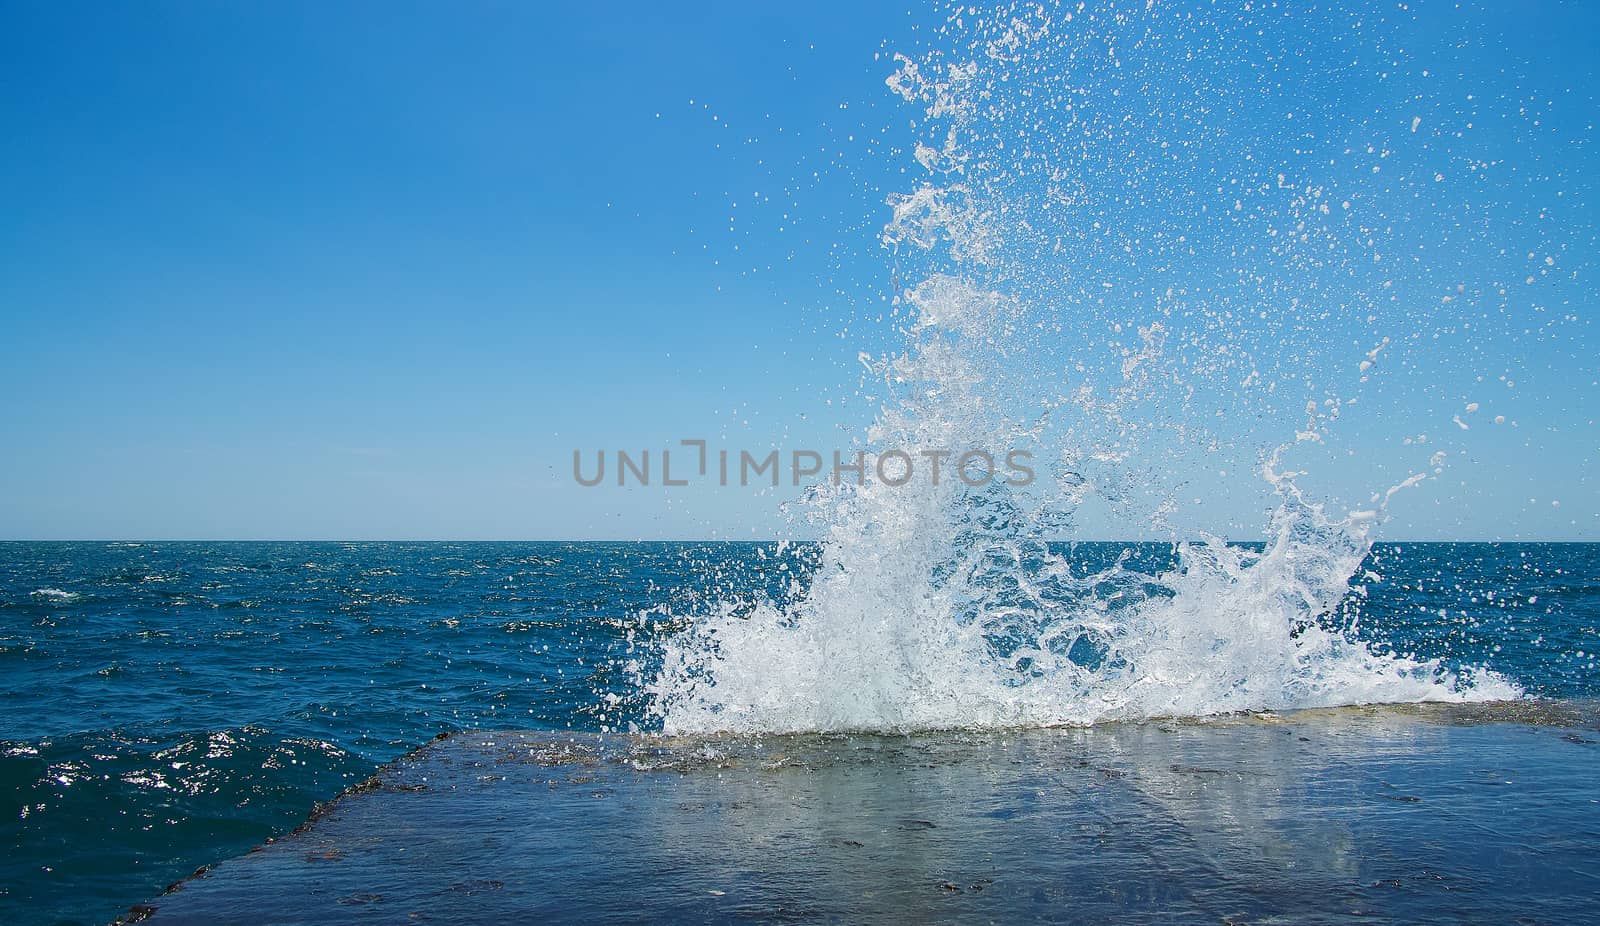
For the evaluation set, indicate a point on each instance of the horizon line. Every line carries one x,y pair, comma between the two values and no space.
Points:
143,540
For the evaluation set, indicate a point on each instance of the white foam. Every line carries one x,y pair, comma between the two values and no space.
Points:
942,606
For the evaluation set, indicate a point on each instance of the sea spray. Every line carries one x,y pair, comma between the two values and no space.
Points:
1050,208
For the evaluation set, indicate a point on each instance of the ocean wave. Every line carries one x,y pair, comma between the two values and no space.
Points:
943,606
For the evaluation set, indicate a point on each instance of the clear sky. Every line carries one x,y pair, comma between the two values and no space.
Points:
374,270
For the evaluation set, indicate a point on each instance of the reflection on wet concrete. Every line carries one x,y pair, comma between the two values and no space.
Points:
1478,814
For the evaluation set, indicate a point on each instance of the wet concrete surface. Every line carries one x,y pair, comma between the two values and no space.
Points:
1387,814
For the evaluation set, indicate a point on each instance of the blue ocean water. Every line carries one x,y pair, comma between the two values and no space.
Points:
167,705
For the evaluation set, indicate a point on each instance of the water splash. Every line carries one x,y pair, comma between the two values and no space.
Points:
1052,208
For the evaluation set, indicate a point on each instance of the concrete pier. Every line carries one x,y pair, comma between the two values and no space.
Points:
1396,814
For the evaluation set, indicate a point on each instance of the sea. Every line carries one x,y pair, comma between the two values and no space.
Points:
1188,257
169,705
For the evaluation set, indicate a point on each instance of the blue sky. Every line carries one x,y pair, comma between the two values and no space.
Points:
374,270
